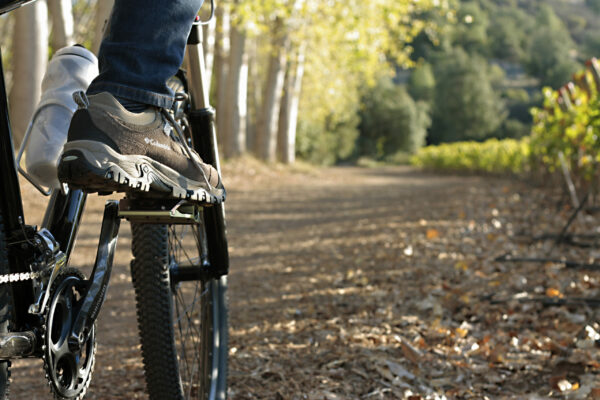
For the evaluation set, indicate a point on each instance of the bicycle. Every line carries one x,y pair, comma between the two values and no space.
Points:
179,271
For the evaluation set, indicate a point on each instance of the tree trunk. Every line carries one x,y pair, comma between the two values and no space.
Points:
237,93
209,47
103,10
221,72
267,127
61,16
30,55
288,115
254,89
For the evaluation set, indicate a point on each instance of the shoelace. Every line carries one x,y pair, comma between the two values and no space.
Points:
182,140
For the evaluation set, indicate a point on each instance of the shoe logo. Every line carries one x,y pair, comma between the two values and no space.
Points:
154,143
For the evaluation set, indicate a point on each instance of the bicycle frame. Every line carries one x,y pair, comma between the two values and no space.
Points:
204,140
62,217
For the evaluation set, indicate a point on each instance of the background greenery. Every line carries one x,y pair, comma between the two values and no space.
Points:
475,75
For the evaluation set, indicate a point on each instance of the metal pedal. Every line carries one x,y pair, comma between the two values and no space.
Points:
153,211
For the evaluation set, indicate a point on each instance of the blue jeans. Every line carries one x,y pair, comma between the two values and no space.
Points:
144,46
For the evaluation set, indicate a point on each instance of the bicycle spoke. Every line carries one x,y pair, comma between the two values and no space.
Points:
188,309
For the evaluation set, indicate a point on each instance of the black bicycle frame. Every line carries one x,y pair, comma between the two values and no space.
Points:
62,218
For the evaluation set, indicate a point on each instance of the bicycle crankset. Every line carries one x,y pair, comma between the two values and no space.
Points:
68,368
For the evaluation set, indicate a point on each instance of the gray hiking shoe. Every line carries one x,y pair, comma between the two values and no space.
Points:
111,149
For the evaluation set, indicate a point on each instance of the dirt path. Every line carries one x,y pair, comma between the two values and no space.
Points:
354,283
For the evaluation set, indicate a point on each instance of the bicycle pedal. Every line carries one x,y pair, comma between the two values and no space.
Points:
155,211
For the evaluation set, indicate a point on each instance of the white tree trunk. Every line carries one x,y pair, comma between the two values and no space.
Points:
30,55
103,10
254,89
61,15
268,120
209,47
236,108
288,116
221,72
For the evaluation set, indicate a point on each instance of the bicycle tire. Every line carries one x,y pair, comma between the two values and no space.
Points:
5,310
162,309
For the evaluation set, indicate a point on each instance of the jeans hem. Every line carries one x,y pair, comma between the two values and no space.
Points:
134,94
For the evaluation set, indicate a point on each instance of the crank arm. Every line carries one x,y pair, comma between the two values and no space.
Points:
98,282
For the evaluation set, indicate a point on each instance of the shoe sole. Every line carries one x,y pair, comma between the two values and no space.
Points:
96,168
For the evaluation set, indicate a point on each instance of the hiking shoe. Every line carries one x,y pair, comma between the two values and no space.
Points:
110,149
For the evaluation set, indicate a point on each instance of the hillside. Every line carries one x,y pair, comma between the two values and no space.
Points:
482,68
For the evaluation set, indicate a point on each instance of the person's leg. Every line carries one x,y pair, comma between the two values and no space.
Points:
111,145
142,48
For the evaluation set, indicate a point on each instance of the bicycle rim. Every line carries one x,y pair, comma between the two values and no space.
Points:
197,313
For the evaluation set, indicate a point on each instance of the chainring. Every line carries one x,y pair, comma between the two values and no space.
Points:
69,373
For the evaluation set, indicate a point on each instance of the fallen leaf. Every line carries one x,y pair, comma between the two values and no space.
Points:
551,292
433,234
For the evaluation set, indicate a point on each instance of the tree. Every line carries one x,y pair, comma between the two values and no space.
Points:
272,93
30,56
470,31
551,50
551,57
421,84
288,114
507,38
466,107
237,93
62,23
594,5
391,121
345,42
103,10
220,71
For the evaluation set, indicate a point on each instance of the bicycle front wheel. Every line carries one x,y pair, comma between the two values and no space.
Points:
182,323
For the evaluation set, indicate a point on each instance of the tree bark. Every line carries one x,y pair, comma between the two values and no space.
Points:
254,93
103,10
268,122
237,94
61,16
221,71
30,55
288,115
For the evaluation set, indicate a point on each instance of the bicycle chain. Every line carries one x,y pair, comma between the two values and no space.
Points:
19,277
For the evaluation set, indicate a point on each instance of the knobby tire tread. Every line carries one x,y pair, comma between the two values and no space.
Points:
150,276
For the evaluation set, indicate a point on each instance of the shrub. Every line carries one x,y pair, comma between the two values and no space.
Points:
507,156
391,121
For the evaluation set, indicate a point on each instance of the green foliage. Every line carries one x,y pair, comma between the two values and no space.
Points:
507,38
466,107
421,84
329,143
551,50
513,128
471,28
492,156
591,45
594,5
569,123
391,121
349,45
